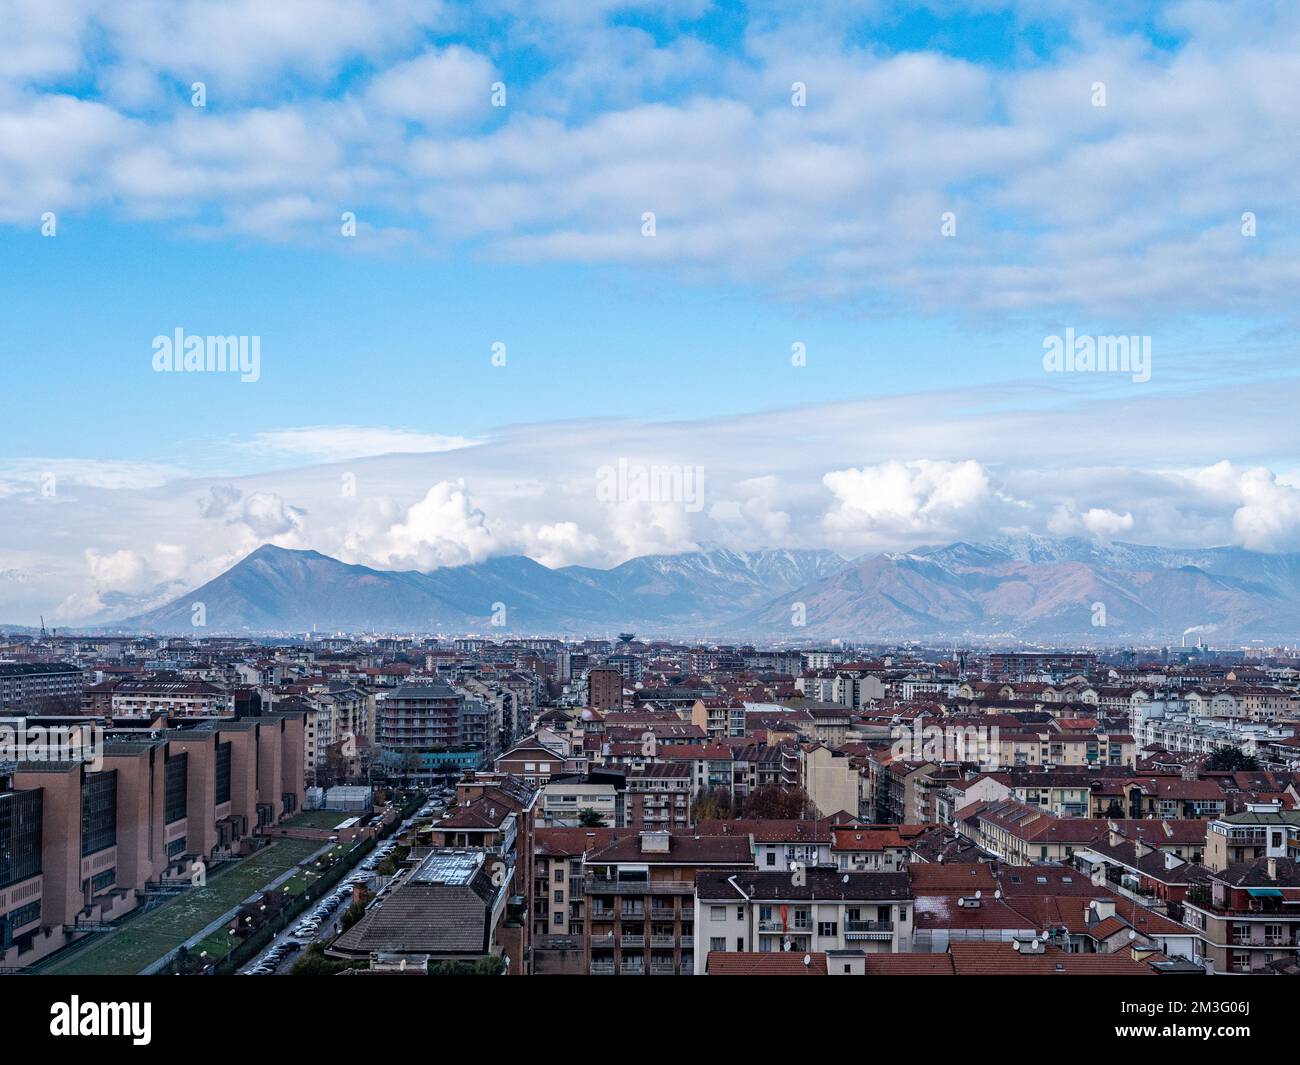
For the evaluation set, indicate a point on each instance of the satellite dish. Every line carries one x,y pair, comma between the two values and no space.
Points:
807,959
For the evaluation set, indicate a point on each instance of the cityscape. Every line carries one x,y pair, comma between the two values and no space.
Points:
707,488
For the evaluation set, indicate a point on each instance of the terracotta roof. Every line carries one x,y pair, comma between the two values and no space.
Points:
775,963
1002,959
909,965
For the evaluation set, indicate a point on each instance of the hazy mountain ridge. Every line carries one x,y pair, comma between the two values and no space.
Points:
276,589
1031,586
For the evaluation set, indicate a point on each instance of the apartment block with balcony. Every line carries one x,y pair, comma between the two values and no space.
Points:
658,796
1247,916
817,910
641,899
1262,830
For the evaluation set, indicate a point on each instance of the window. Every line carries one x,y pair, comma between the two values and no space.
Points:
771,857
177,774
223,773
718,943
717,913
740,944
740,913
828,929
20,835
98,812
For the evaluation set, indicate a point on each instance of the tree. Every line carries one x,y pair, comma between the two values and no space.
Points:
775,803
589,818
1114,809
1230,759
714,804
352,915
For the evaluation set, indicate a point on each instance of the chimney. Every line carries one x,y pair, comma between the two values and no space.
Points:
1272,868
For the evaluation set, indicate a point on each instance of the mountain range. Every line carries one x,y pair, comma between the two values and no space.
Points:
1023,587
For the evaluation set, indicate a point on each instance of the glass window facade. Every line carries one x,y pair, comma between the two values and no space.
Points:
20,835
178,779
223,773
98,811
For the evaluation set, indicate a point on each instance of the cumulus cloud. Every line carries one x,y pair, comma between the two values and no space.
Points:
261,515
906,498
1266,514
1100,522
444,528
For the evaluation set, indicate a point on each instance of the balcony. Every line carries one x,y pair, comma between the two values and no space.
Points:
662,968
602,968
868,929
633,941
774,925
606,942
687,941
602,885
663,940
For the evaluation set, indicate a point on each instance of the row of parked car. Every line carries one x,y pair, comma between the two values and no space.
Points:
270,961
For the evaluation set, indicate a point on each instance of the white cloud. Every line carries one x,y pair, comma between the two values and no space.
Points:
1147,190
905,498
1267,510
445,528
333,443
441,86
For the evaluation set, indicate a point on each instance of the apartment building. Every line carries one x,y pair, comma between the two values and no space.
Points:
823,910
175,698
779,844
1262,830
40,688
604,688
428,730
559,900
1248,915
565,800
641,899
1021,835
658,796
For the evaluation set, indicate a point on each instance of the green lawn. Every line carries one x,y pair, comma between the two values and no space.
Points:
145,939
302,880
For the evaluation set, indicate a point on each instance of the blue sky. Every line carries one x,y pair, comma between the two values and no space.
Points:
924,411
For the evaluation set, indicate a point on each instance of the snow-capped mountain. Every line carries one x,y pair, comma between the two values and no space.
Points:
1070,590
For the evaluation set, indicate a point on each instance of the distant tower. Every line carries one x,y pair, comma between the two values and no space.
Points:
626,638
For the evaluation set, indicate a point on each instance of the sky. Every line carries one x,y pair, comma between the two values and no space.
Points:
806,265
